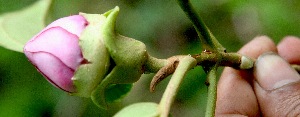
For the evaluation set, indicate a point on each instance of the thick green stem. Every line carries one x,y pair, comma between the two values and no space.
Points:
169,95
212,56
153,64
209,42
234,60
212,92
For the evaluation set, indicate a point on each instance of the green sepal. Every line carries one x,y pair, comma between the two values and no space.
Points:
128,55
91,73
17,27
144,109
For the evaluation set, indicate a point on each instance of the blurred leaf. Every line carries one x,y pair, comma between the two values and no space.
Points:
194,79
145,109
16,28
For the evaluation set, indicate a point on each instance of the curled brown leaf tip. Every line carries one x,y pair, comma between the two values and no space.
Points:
165,71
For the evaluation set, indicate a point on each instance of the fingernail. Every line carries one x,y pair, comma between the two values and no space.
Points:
272,72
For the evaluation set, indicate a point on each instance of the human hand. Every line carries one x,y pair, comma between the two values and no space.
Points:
272,89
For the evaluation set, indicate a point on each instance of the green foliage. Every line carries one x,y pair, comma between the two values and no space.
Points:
145,109
16,28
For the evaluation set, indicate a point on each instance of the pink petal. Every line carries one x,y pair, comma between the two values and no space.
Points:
74,24
53,69
58,42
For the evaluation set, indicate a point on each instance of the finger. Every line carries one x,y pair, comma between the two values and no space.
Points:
289,49
235,95
277,86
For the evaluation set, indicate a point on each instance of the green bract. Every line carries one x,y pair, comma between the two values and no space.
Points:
114,62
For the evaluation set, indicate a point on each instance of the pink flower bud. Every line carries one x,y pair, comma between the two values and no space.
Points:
55,51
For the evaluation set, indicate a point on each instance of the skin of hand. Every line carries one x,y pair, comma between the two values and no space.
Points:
271,89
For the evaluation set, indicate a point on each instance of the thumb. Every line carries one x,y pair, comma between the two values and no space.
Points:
277,86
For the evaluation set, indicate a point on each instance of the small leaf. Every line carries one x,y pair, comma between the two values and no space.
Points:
16,28
145,109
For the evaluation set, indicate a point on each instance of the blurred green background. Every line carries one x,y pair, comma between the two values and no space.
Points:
166,31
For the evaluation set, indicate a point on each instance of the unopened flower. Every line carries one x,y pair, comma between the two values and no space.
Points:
83,55
55,51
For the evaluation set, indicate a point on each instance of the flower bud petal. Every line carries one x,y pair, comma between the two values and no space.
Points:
57,73
55,51
74,24
64,46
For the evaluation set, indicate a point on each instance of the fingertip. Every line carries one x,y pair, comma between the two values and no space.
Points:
276,86
257,46
271,72
289,49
